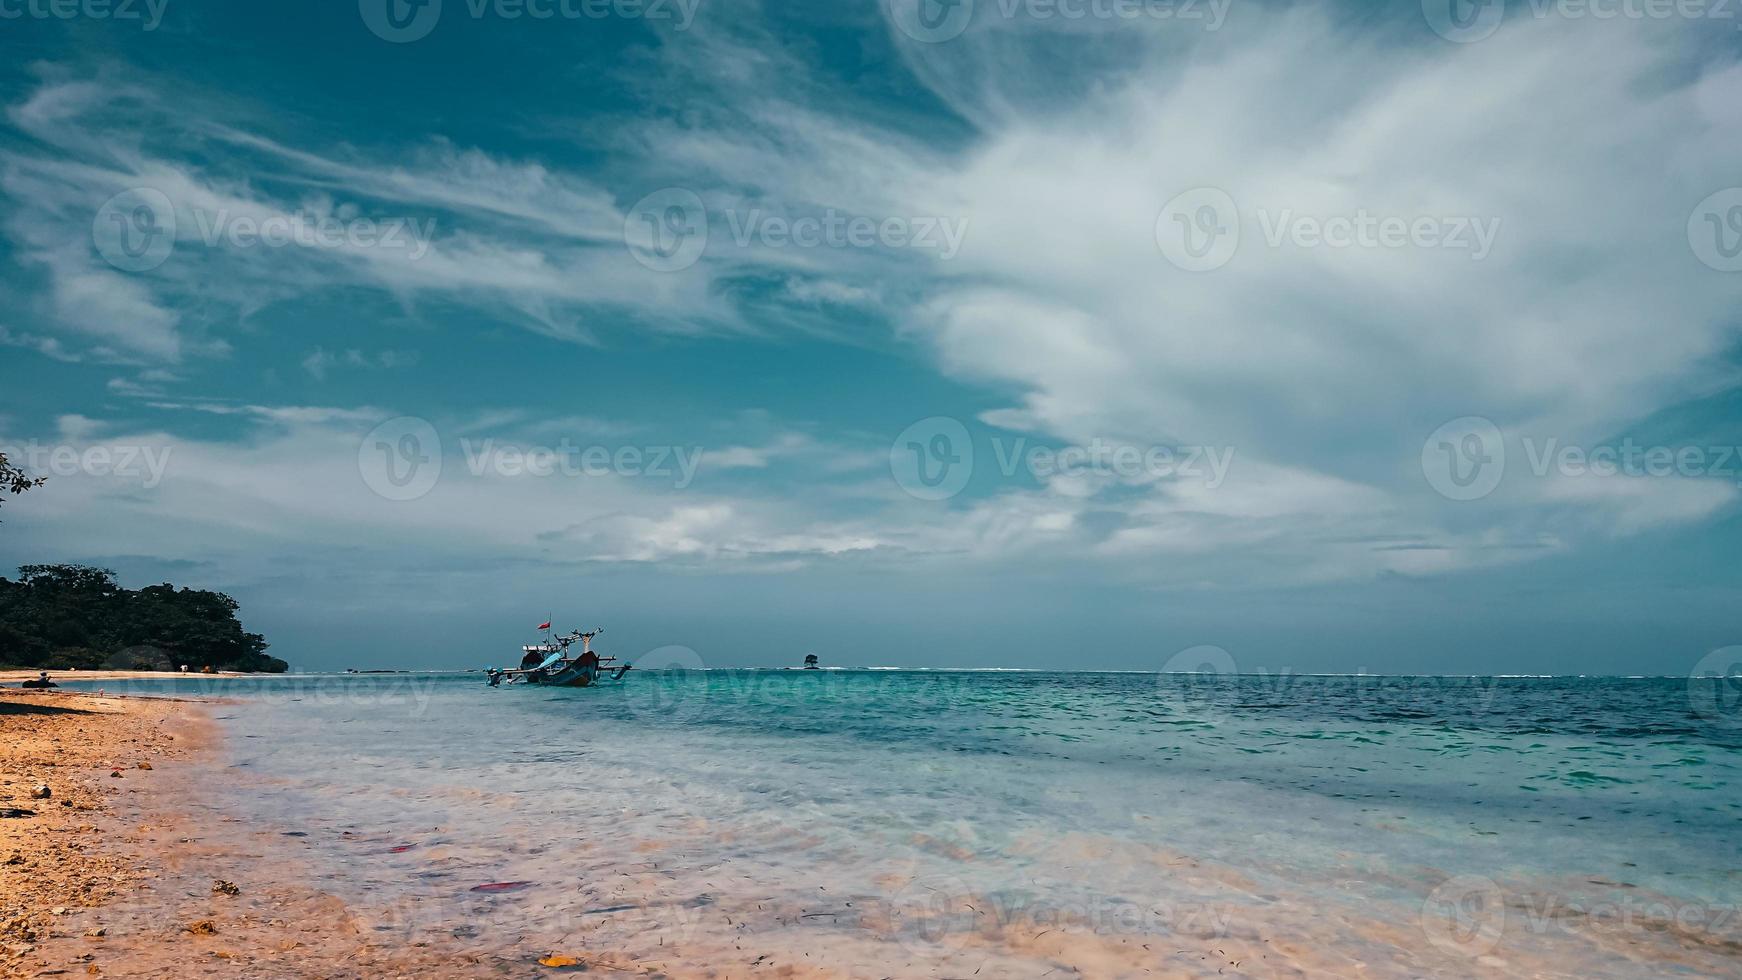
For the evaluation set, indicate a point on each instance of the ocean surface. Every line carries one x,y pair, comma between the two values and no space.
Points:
1011,824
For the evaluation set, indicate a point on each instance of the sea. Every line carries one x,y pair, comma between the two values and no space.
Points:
941,823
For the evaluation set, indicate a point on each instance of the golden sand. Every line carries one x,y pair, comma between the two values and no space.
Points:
126,869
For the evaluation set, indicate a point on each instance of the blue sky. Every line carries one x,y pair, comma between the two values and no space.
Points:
1337,337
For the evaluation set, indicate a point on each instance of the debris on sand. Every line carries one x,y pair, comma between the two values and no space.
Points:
222,887
501,886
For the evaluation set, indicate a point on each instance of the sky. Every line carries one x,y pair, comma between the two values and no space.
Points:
1087,334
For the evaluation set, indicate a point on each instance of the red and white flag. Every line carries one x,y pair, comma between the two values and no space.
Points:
544,626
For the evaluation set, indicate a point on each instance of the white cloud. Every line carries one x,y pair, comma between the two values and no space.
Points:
1323,368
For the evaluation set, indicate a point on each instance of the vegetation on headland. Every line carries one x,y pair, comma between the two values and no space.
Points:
64,617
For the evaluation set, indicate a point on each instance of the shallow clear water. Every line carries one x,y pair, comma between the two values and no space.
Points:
934,823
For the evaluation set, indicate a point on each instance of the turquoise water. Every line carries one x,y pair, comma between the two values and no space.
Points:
934,823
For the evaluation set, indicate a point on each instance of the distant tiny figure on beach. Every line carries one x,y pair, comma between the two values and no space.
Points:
42,683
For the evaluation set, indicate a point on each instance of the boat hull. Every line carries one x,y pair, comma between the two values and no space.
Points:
573,675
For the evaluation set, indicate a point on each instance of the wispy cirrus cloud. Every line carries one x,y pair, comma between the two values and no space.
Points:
1583,145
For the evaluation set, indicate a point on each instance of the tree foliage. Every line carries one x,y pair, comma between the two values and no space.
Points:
59,617
15,480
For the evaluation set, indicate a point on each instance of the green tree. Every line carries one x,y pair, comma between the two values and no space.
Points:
16,480
61,616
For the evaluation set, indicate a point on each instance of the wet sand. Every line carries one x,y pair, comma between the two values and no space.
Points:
130,868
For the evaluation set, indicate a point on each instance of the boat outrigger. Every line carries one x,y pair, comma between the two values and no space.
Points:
549,663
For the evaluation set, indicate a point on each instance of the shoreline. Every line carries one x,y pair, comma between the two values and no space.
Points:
133,866
12,677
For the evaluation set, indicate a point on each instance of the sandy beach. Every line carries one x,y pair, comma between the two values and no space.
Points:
400,826
10,678
126,868
66,762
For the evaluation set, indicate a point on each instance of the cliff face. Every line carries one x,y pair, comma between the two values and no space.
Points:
58,617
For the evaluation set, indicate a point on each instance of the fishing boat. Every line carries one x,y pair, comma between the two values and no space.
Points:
550,664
